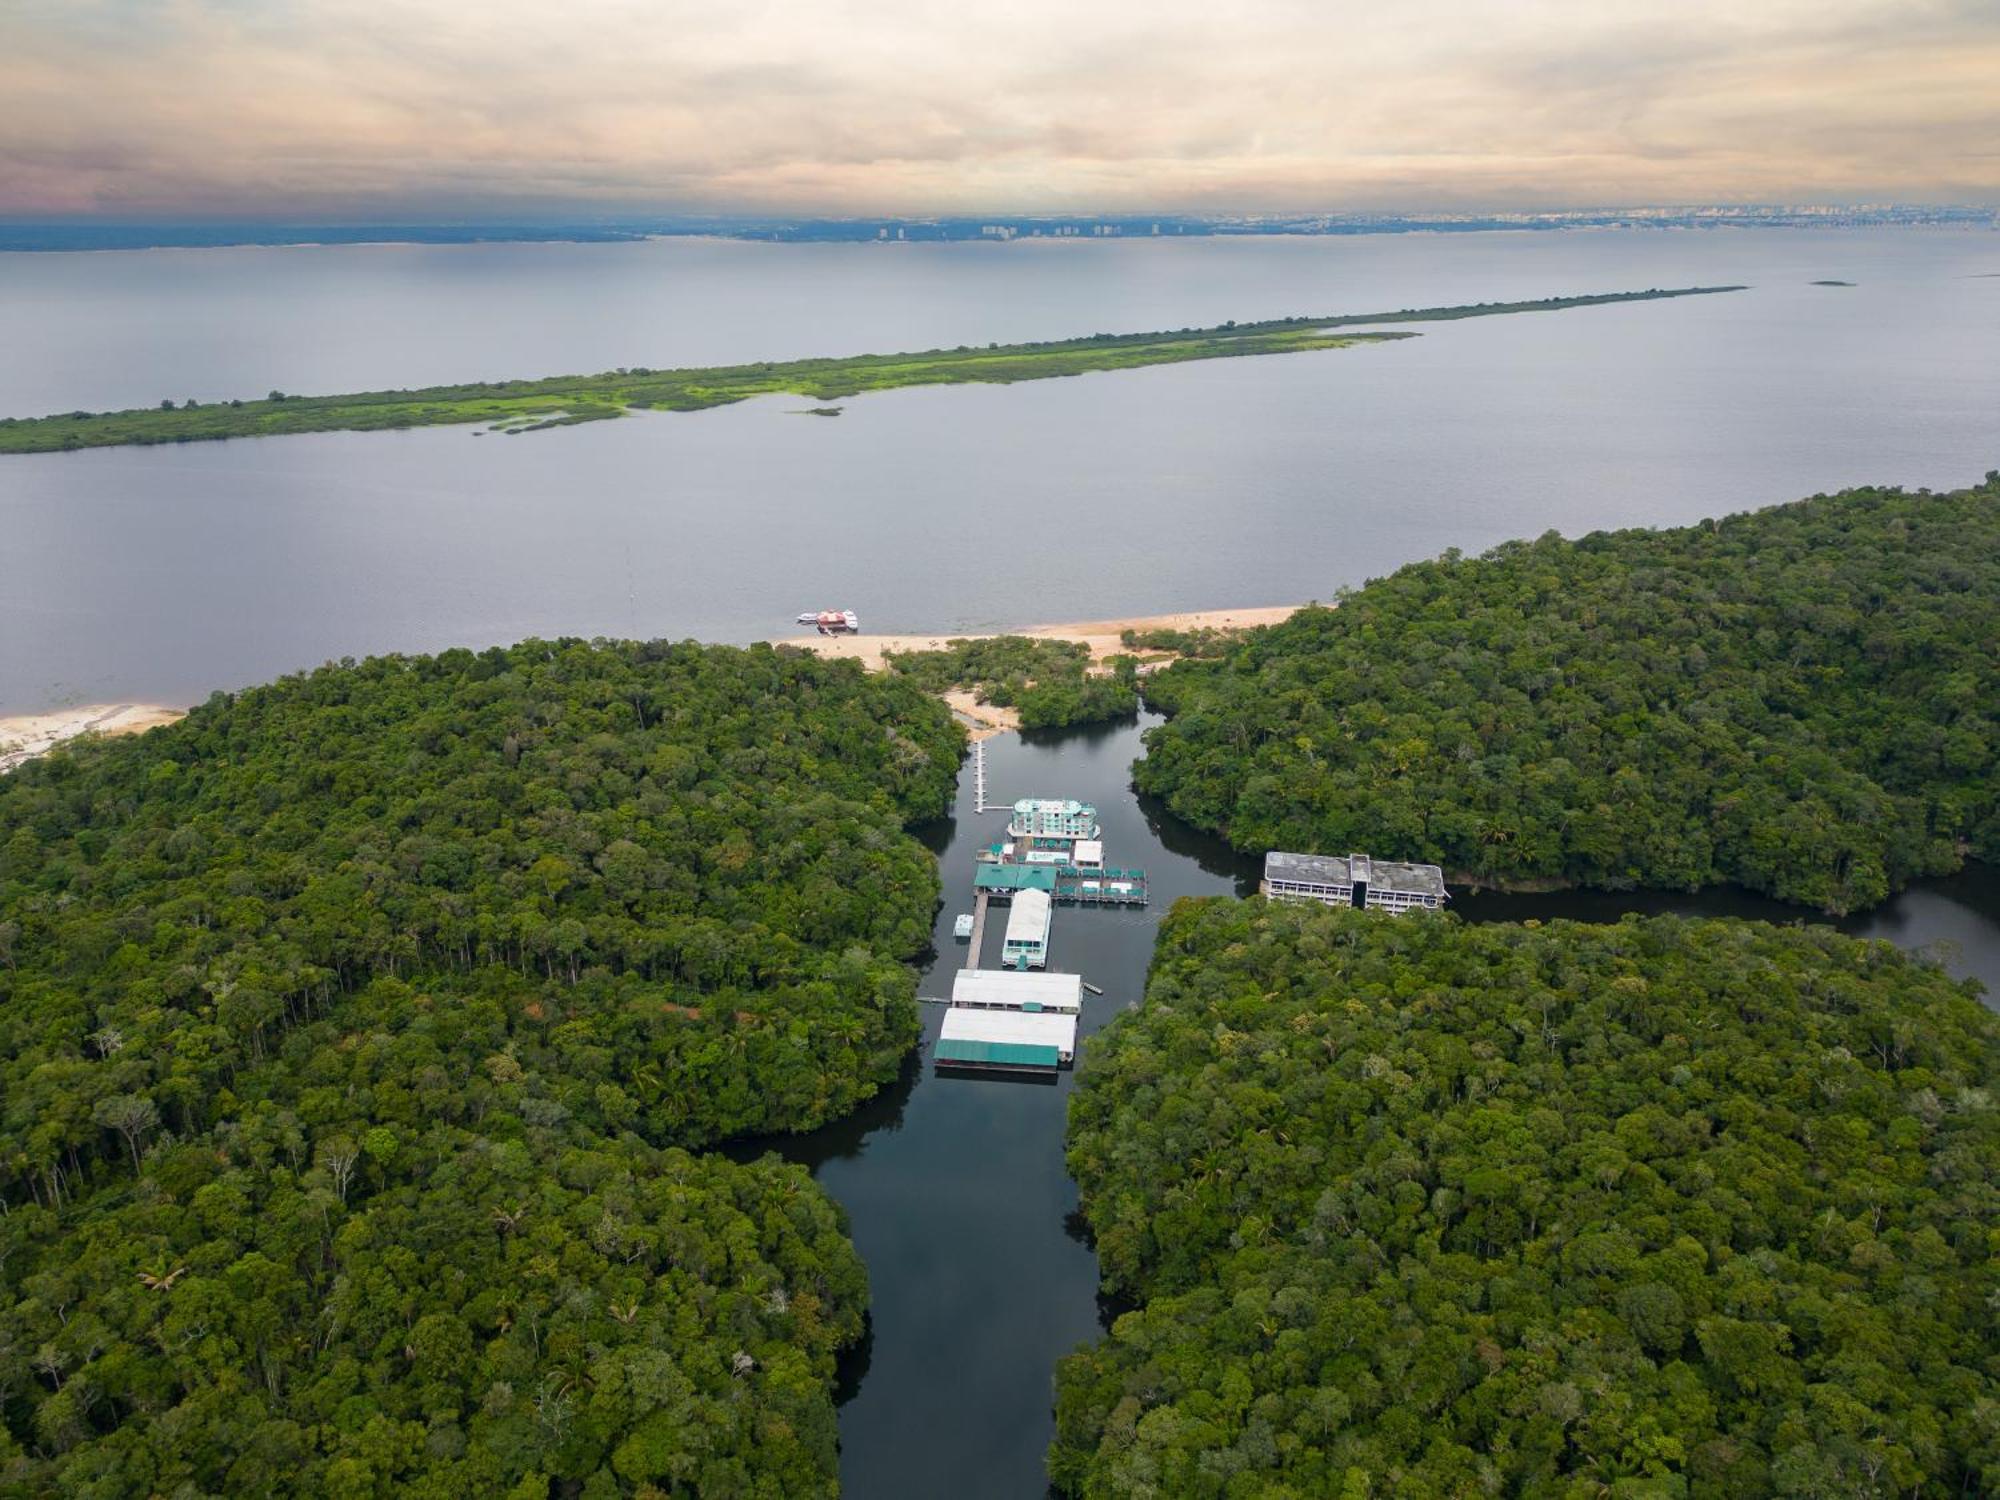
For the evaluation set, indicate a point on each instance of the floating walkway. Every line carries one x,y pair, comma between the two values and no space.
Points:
1070,885
978,938
979,802
1101,887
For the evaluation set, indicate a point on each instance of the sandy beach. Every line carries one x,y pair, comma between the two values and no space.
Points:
25,736
1104,637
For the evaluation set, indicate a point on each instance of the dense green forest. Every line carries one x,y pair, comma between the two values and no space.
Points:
1202,641
1047,682
353,1035
1410,1208
560,400
1803,700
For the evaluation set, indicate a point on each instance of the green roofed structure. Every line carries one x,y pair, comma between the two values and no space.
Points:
1022,1055
1004,880
1019,1041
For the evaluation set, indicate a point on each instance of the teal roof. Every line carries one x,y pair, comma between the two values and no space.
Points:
1015,878
1018,1054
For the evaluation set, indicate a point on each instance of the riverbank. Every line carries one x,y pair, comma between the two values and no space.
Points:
563,400
1105,638
25,736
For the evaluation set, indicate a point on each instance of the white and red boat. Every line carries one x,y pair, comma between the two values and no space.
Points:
832,621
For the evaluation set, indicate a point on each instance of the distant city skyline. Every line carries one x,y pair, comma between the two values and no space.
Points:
331,110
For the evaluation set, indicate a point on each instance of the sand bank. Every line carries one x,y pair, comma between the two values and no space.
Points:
1102,636
25,736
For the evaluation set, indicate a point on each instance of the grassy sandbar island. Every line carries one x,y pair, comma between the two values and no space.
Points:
524,405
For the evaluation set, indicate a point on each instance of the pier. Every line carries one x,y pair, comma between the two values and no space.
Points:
979,802
979,904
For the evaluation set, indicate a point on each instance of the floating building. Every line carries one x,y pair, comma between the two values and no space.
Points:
1014,989
1353,880
1047,818
1028,920
1012,1041
1004,882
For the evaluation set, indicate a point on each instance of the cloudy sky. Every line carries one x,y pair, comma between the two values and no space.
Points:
288,108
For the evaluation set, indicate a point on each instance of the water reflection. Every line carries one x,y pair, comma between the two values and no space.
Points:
981,1266
1955,921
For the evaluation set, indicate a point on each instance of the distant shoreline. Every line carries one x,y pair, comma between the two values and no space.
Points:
30,236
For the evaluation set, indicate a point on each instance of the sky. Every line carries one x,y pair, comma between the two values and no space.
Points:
290,109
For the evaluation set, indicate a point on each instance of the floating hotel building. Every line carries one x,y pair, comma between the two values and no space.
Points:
1355,880
1028,920
1040,822
1008,1021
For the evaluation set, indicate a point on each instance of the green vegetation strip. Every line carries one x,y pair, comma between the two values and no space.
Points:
1803,700
567,399
1410,1208
1048,683
358,1037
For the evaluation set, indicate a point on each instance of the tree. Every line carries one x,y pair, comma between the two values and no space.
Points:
1518,1210
133,1116
439,966
1803,700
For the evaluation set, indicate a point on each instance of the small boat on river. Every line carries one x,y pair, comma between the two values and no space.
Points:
832,621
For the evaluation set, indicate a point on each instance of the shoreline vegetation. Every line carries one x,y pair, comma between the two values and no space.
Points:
1148,639
1483,1208
23,737
28,736
402,1001
518,406
1797,700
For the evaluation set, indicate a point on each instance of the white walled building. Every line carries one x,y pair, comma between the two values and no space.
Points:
1052,818
1353,880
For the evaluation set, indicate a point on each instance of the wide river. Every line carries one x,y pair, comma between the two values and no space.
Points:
163,574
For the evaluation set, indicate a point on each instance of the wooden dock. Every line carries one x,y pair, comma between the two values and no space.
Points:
979,905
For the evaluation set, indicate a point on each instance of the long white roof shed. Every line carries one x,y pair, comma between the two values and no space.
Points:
1013,1039
1018,989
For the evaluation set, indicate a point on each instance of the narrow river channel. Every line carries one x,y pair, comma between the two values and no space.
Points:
956,1190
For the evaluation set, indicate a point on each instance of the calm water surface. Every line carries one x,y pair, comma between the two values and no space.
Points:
956,1190
162,574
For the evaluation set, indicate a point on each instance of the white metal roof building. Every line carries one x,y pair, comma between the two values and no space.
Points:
1088,854
1010,1040
1353,880
1028,920
1012,989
